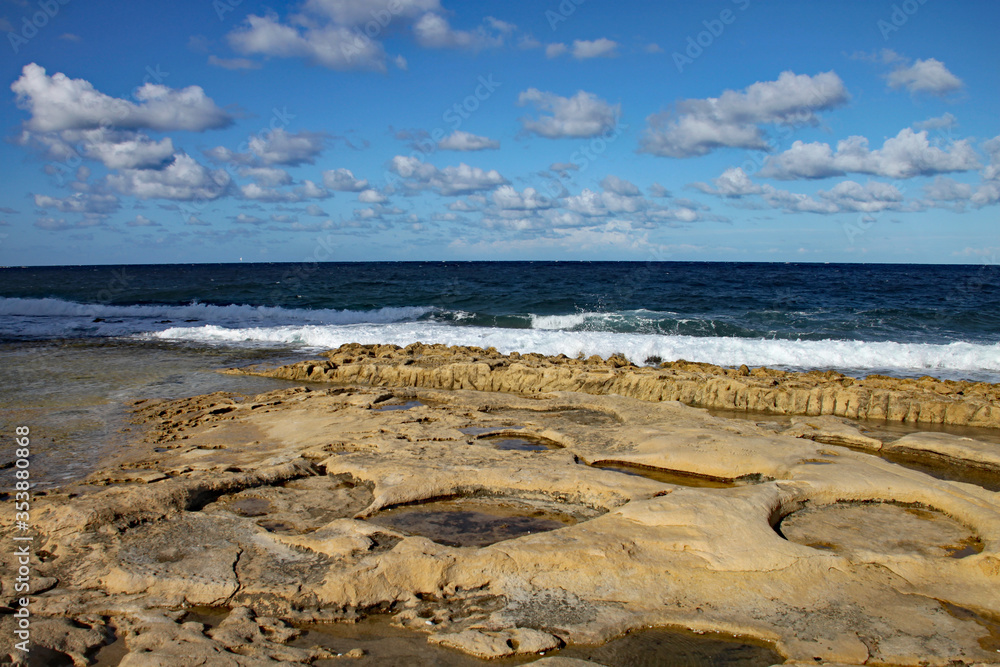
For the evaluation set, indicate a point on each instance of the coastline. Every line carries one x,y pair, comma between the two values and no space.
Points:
279,506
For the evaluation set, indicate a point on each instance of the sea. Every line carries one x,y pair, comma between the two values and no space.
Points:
79,343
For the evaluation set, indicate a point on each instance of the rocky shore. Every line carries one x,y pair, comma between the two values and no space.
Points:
925,400
509,506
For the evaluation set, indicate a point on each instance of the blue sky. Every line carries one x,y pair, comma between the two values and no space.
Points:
734,130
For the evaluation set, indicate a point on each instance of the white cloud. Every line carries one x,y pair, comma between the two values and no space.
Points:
267,176
462,205
657,190
869,198
699,126
507,198
449,181
127,150
583,115
946,120
947,189
555,50
620,186
59,103
142,221
333,46
924,76
906,155
733,183
465,141
988,192
315,211
433,31
282,147
598,48
342,180
371,196
101,204
182,180
358,12
244,219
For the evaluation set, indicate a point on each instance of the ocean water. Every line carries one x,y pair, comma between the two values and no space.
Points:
79,344
905,320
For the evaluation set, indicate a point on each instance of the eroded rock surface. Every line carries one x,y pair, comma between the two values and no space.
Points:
704,385
270,506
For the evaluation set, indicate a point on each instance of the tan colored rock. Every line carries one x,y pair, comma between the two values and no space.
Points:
956,448
703,385
831,430
273,507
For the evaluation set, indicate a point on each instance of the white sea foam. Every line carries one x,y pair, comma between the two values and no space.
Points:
55,317
955,360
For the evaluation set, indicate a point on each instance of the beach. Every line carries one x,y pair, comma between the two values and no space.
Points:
508,506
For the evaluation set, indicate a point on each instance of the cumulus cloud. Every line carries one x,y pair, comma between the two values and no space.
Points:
433,31
699,126
372,196
358,12
182,180
342,180
507,198
988,192
924,76
101,204
944,121
906,155
555,50
59,103
267,176
583,115
450,181
598,48
142,221
283,147
333,46
733,183
121,150
871,197
619,186
583,49
466,141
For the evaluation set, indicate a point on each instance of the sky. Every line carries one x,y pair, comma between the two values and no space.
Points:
340,130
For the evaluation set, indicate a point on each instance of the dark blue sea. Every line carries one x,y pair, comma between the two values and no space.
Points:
79,344
856,318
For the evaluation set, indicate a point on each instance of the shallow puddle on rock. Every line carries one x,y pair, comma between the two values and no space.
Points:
662,647
889,528
941,468
479,430
389,407
474,522
520,444
990,640
666,476
386,644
